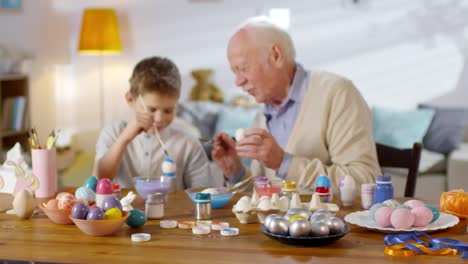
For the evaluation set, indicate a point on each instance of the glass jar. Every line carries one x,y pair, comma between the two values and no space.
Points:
383,189
289,188
154,207
202,206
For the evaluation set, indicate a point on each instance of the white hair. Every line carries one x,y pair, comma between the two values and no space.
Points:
267,33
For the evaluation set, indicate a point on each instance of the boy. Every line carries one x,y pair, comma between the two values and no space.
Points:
129,149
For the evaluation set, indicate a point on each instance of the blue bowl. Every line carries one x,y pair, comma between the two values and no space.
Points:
217,200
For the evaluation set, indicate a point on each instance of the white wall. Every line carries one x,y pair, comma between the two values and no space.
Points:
399,53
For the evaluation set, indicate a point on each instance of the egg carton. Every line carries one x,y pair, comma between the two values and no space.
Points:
254,210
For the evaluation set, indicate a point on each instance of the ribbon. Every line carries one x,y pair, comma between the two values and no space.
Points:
417,242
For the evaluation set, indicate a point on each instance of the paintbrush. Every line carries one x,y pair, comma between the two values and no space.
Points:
154,126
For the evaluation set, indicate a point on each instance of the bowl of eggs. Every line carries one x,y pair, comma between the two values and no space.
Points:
302,228
219,196
58,209
99,221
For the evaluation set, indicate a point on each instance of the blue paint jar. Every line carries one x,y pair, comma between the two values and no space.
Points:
383,189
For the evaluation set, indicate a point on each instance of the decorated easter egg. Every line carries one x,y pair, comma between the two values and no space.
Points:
293,218
113,213
323,181
168,165
335,225
80,211
435,213
319,229
65,200
392,203
422,216
318,217
402,218
85,193
267,220
414,203
278,225
104,186
95,213
373,209
91,183
52,204
299,211
383,216
299,228
111,202
136,218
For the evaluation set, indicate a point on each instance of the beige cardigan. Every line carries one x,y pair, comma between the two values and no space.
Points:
331,136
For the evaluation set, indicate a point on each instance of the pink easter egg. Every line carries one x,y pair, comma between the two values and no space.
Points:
66,201
422,216
104,186
382,216
414,203
402,218
52,204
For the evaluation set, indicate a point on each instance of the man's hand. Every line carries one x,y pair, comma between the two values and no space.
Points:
225,156
260,145
143,121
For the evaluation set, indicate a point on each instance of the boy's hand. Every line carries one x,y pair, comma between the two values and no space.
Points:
143,121
225,156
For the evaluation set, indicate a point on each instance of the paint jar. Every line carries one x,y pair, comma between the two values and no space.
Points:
202,206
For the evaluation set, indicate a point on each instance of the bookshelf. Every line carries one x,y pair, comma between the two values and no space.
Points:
14,112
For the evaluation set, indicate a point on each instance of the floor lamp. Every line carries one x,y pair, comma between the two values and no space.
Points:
99,36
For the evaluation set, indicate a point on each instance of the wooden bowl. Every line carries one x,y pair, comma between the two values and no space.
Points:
58,216
106,227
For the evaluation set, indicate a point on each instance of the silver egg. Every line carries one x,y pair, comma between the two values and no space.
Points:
319,229
322,211
299,211
315,218
278,225
267,220
335,225
299,228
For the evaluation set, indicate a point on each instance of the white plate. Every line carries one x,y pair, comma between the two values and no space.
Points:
362,219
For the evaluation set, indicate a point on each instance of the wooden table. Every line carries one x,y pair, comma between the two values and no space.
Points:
39,239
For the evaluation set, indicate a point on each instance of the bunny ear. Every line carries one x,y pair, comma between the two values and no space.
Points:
35,182
19,171
1,182
11,163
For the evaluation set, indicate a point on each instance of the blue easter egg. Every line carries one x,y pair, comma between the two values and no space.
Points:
323,181
435,213
136,218
86,194
91,183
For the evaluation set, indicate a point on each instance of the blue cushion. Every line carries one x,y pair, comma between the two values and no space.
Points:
400,129
447,129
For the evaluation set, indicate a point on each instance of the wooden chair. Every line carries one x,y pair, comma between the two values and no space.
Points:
402,158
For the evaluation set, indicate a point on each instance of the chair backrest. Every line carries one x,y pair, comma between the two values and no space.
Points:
402,158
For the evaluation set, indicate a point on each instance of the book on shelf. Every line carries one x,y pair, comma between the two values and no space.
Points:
14,113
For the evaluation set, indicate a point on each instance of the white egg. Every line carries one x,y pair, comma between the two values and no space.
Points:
243,206
265,197
245,197
240,134
264,205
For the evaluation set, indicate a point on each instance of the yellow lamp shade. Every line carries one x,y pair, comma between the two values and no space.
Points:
99,32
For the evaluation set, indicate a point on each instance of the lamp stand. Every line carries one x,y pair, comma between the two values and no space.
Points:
101,92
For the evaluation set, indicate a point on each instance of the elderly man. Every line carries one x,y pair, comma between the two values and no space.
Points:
314,123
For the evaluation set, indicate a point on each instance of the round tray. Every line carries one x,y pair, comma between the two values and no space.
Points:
305,241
